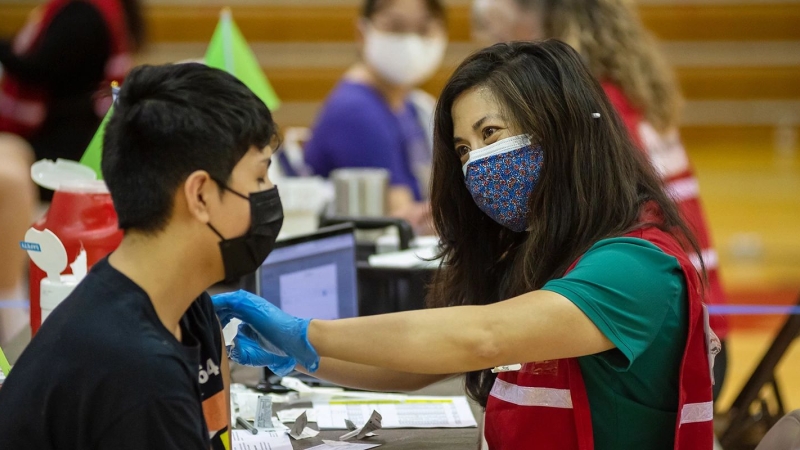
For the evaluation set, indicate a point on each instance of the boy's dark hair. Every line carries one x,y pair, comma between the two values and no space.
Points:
168,122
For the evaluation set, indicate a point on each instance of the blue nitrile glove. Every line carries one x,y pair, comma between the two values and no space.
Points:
280,330
251,349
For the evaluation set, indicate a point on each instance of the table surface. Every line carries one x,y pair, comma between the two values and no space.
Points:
416,439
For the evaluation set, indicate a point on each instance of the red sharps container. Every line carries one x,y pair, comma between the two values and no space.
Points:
81,215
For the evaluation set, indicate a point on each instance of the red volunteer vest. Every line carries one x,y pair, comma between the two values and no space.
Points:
545,405
668,156
23,105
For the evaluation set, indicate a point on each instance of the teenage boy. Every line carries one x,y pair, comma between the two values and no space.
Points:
134,357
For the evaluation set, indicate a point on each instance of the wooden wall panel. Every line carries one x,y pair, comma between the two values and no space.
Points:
314,23
724,22
735,83
740,83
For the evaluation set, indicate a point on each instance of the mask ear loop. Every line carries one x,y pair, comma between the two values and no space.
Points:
238,194
215,231
224,187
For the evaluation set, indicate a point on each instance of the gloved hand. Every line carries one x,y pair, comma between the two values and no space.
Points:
278,330
250,349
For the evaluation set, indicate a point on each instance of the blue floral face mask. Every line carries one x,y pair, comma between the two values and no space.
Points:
501,177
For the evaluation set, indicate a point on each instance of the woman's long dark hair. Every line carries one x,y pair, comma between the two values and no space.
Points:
594,181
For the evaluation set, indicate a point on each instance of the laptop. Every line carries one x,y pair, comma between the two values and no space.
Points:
313,277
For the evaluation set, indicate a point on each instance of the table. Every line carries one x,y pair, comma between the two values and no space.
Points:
409,439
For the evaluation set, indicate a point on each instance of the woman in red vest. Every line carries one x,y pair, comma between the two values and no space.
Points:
54,67
565,267
623,55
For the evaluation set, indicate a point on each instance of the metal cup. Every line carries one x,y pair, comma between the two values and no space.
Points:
360,192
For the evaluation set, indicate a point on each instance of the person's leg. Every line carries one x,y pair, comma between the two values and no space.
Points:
17,203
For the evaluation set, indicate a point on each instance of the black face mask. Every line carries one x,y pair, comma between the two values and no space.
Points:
244,254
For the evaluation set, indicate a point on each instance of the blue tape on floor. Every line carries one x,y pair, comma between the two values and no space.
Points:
14,304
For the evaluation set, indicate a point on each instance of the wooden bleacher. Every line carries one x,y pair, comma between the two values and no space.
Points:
288,36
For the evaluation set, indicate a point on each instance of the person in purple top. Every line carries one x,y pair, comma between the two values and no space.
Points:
374,117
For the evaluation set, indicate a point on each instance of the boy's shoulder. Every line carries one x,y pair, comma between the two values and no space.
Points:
109,325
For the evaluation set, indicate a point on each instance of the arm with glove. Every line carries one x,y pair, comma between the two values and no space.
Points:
535,326
284,335
279,331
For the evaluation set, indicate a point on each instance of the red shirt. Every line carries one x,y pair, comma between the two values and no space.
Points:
667,154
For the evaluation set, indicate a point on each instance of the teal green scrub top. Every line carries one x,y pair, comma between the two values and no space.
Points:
636,295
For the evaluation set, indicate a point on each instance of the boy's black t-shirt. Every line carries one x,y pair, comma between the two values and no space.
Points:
104,373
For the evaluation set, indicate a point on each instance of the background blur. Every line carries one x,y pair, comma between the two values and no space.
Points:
738,64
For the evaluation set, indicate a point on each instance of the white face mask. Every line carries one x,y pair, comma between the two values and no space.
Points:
403,59
506,145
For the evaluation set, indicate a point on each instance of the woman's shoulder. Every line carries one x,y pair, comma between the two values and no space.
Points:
352,107
616,95
630,115
640,249
352,96
627,286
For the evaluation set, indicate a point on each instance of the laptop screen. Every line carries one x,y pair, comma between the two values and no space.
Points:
314,276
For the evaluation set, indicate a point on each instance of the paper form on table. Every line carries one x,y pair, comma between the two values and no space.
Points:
412,412
264,440
342,445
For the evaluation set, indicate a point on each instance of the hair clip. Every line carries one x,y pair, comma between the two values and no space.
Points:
595,115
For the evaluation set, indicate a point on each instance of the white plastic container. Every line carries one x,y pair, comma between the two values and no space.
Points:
303,200
49,254
54,292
